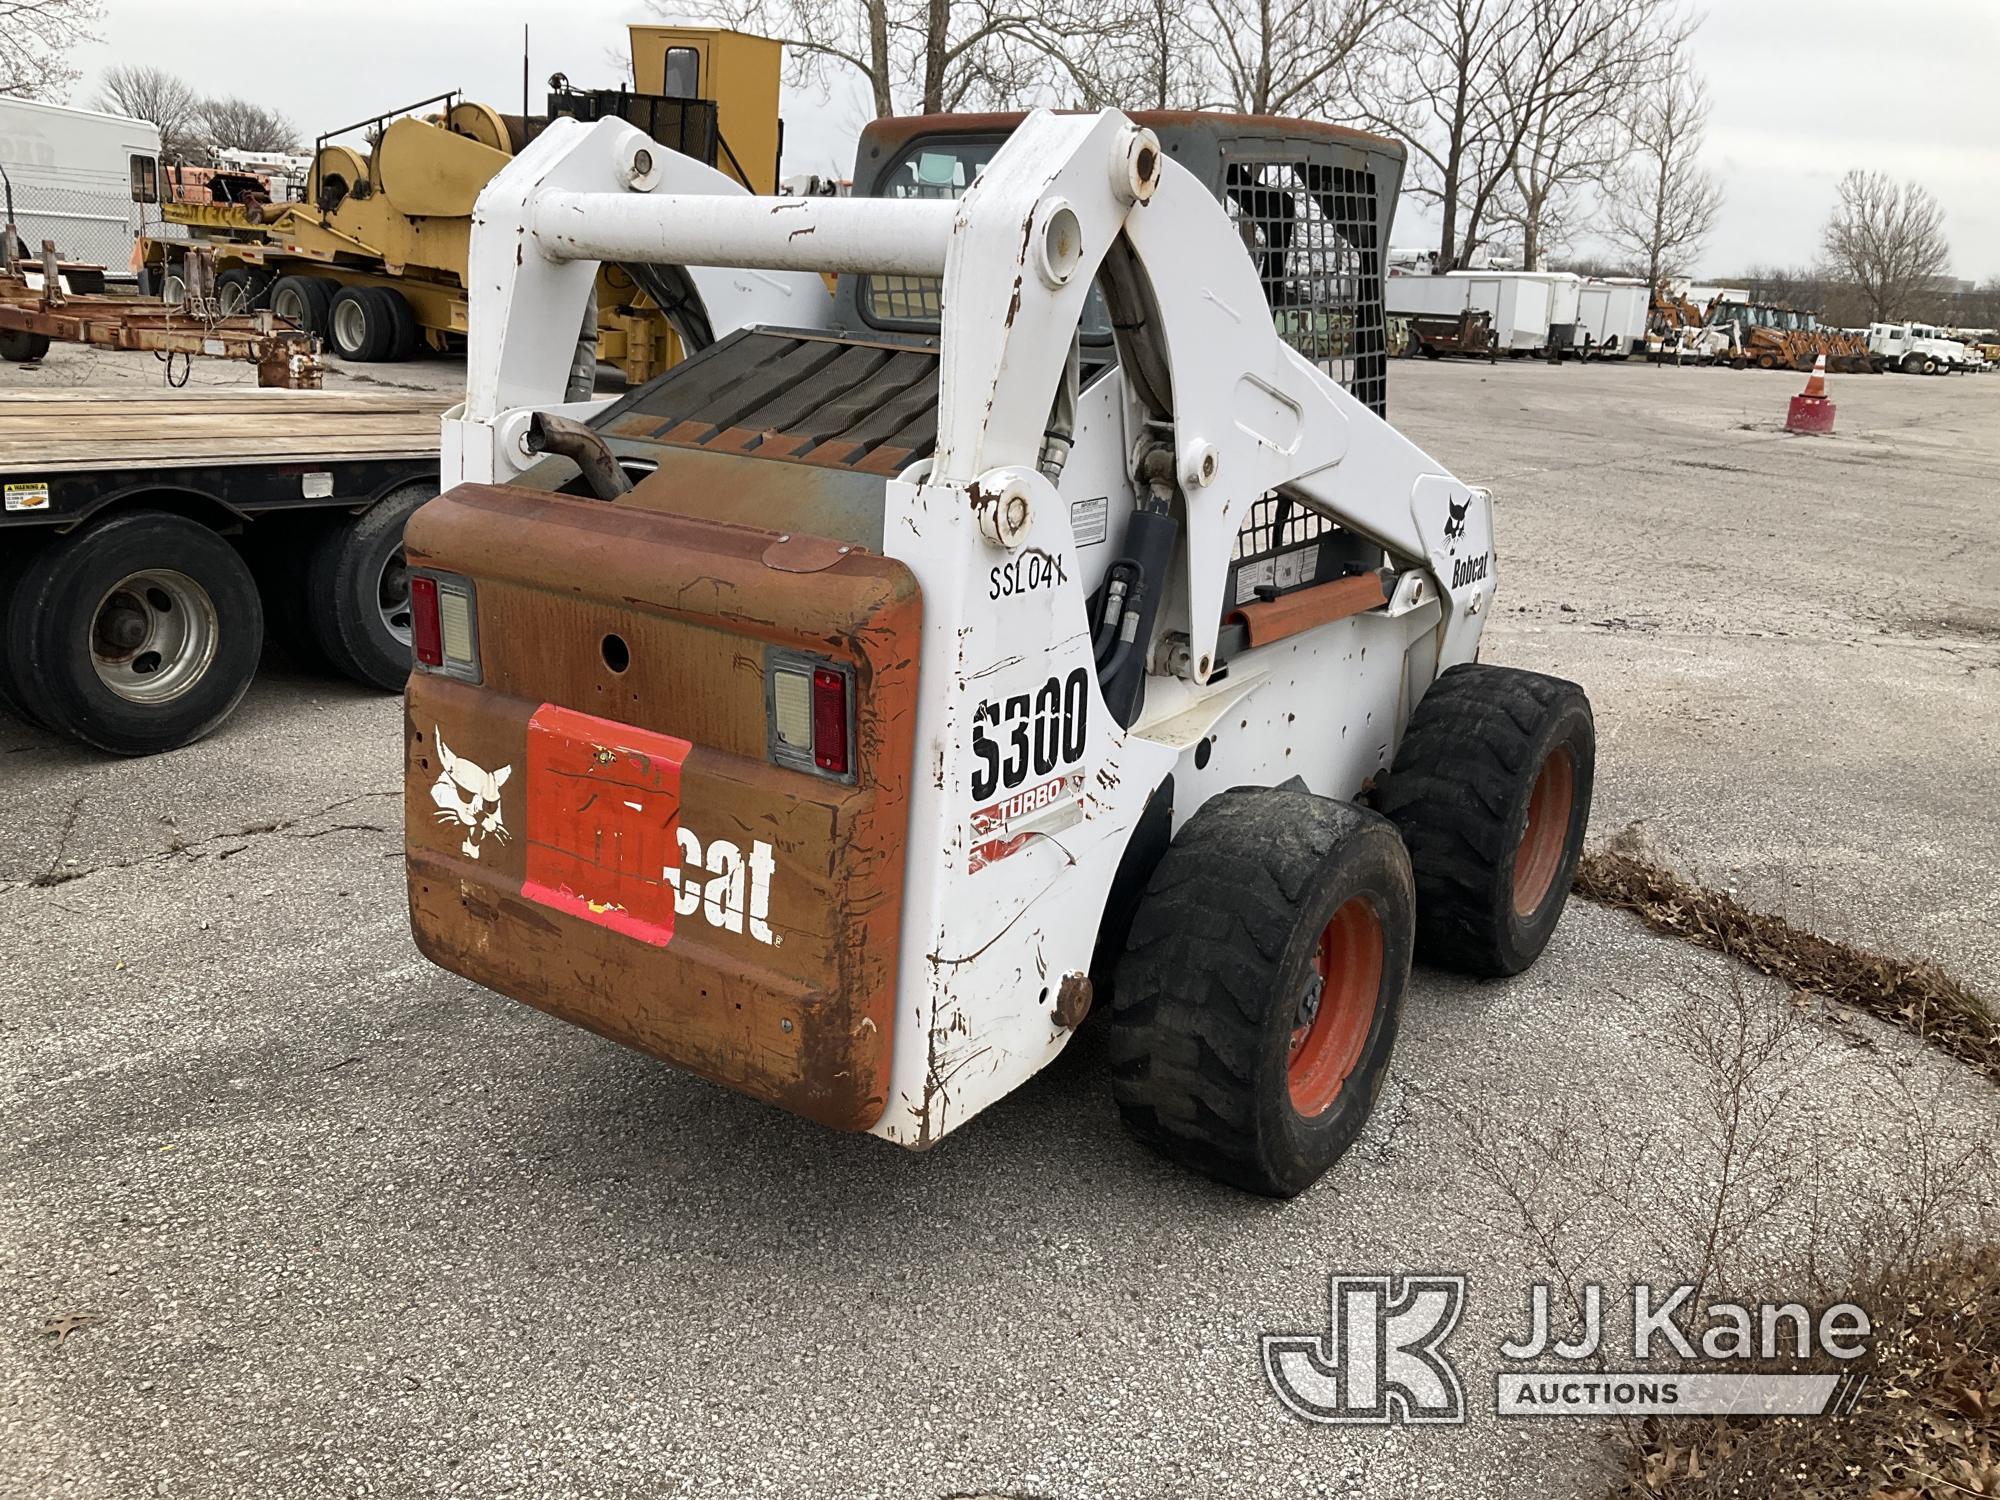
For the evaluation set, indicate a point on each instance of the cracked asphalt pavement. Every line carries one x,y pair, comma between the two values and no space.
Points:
287,1211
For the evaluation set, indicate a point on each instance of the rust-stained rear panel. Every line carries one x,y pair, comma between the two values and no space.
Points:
653,875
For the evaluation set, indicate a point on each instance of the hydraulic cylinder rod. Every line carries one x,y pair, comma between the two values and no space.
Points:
895,236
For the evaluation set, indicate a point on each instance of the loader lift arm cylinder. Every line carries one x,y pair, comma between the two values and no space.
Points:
892,235
1150,539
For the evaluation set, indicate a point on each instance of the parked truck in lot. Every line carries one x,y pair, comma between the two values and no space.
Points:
147,541
1916,349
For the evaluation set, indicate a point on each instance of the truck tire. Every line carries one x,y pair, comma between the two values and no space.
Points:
22,347
407,336
360,326
240,289
14,561
138,634
1491,792
302,302
279,551
1256,1005
358,594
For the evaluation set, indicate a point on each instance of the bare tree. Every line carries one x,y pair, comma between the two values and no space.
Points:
1663,204
1887,238
238,124
926,55
36,38
1440,84
1582,60
1282,57
155,95
1150,59
1803,287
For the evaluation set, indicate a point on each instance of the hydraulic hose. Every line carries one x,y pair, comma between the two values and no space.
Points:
1150,539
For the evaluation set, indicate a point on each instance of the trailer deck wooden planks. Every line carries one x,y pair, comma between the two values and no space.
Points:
64,431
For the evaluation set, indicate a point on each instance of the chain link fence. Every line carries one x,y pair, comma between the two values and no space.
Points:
91,218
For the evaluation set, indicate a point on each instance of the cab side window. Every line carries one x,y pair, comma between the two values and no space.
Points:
683,73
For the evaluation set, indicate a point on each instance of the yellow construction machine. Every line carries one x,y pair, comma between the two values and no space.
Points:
373,258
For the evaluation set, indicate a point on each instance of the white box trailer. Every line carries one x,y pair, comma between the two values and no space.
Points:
1525,306
89,182
1612,315
1421,295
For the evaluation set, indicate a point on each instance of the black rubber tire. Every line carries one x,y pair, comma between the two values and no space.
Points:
22,347
1220,956
279,550
14,560
1460,793
406,337
377,337
50,619
342,585
308,293
254,289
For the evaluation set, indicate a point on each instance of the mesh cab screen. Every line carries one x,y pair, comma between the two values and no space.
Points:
1312,231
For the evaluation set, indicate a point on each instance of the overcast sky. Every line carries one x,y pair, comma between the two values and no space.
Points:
1803,89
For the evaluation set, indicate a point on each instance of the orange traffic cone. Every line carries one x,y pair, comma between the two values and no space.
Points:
1816,383
1811,411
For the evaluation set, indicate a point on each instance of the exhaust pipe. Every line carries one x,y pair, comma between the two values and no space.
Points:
583,447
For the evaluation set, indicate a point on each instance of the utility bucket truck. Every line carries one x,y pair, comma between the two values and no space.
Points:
850,712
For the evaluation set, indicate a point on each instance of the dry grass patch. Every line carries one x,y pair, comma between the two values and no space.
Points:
1927,1426
1917,996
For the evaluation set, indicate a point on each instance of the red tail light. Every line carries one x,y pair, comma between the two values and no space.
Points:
829,740
426,634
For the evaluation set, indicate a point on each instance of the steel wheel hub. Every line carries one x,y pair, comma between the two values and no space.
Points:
351,324
1337,1008
1546,832
153,636
392,596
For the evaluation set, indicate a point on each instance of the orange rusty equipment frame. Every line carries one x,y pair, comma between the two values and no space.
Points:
669,733
285,358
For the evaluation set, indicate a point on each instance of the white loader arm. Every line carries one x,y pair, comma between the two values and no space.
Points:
528,281
1017,254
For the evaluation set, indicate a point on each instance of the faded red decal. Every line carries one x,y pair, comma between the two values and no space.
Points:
604,803
1005,827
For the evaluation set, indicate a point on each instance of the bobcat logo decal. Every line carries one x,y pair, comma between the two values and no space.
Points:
468,795
1454,524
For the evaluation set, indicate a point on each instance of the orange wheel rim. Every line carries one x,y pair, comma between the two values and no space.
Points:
1337,1011
1546,833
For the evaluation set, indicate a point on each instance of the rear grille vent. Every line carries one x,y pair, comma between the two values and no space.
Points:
871,407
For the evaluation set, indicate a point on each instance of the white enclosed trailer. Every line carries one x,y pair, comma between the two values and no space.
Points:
89,182
1524,305
1421,295
1612,315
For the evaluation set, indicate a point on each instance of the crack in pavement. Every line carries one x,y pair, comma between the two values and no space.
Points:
193,849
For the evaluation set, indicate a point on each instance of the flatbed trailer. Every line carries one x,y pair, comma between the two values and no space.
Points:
148,541
30,319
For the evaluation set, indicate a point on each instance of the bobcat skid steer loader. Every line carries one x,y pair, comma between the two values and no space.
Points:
842,713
